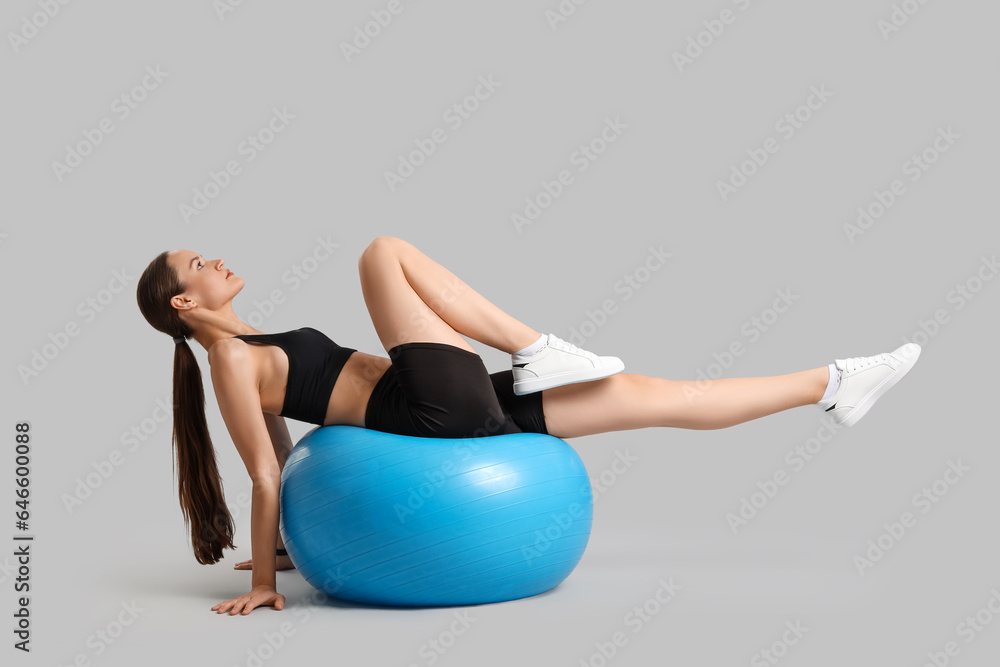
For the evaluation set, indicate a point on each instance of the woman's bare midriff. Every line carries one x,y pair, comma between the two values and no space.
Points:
349,399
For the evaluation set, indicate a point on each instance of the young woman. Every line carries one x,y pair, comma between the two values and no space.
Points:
432,384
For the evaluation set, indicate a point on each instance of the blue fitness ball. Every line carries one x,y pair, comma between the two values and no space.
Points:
380,518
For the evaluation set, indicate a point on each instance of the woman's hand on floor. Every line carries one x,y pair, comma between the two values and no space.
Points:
280,563
244,604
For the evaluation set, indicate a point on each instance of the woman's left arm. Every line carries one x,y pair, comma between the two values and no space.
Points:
282,443
281,440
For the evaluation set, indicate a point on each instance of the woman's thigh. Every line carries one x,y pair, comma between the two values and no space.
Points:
621,402
397,311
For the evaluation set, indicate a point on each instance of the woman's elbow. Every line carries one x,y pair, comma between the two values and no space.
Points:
265,481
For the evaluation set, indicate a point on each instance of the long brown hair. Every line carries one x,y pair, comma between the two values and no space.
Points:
198,483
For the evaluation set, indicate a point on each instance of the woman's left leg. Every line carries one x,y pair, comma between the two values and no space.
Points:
627,401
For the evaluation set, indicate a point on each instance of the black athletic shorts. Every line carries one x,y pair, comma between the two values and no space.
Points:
436,390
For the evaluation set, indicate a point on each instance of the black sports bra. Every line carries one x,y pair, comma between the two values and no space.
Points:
314,364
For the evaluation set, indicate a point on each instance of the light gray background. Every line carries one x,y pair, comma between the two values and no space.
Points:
656,185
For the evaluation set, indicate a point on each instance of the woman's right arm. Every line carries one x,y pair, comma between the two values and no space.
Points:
236,387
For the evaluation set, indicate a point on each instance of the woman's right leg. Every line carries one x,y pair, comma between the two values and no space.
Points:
627,401
410,298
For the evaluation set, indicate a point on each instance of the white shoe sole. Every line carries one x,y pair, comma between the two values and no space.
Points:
868,401
532,385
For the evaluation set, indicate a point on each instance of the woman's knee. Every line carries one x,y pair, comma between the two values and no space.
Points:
385,245
379,246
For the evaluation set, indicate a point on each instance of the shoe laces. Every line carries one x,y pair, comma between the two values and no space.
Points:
561,344
852,364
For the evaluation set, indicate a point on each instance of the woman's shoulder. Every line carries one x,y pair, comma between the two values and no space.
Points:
229,350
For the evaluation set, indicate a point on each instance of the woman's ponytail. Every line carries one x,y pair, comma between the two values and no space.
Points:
199,485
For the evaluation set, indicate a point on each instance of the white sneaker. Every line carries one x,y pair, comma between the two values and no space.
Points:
865,379
559,363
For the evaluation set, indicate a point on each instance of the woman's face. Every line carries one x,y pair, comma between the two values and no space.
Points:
209,283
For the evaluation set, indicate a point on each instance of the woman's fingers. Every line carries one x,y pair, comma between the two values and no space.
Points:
247,603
